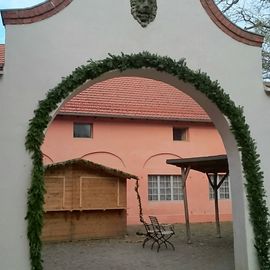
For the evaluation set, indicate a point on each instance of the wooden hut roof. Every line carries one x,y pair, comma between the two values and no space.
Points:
93,166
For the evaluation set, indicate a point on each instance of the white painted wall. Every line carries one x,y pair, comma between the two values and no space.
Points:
39,54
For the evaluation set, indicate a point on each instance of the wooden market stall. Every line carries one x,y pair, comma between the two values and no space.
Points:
212,166
84,200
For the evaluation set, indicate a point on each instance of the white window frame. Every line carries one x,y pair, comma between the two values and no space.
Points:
226,182
172,188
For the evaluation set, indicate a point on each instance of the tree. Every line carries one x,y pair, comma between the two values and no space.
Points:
251,15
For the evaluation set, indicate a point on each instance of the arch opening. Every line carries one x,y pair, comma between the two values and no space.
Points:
199,87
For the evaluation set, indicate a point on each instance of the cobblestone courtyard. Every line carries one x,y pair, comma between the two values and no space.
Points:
205,253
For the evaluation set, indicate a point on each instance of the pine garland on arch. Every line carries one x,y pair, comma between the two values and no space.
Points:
256,195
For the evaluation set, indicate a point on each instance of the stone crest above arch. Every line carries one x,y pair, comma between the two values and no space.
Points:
143,11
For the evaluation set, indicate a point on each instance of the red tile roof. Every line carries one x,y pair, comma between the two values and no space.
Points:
138,98
2,56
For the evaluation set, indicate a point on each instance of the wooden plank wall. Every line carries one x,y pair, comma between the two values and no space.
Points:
77,189
98,192
57,226
99,224
82,205
81,225
54,196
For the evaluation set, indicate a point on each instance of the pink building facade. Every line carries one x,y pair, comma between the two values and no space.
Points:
117,123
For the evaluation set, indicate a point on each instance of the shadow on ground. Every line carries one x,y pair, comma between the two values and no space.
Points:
205,253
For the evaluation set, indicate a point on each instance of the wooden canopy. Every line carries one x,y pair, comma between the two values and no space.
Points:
211,166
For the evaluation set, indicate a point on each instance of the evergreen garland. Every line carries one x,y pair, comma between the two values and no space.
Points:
250,159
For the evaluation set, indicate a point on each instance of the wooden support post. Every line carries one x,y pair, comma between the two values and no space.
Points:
216,205
215,187
185,172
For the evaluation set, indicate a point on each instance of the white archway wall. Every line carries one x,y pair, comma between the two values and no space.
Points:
39,54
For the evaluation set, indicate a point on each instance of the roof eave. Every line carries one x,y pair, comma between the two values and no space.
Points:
136,117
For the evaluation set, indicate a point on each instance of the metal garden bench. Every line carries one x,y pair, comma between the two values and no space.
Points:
149,235
158,233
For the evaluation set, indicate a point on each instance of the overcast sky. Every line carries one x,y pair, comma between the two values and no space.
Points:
7,4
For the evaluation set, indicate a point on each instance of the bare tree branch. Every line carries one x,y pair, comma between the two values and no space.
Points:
229,5
251,15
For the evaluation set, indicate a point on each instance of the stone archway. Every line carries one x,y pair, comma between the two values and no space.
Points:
233,129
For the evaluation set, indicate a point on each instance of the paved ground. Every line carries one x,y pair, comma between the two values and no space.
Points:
205,253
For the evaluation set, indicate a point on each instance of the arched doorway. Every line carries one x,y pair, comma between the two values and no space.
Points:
228,119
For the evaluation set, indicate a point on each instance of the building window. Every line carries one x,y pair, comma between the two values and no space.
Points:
179,134
223,191
165,188
82,130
